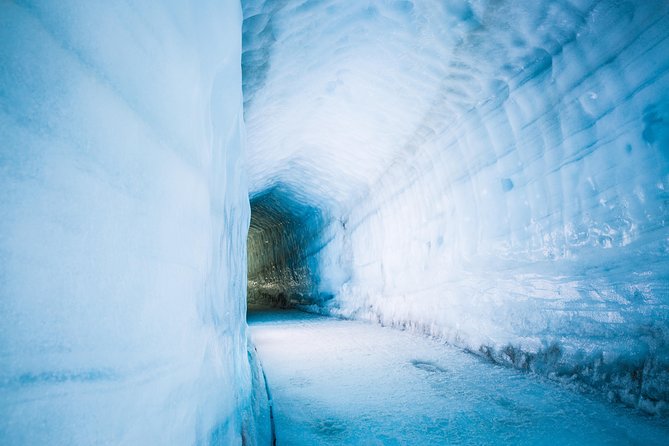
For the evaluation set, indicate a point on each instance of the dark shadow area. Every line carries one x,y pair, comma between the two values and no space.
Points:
282,231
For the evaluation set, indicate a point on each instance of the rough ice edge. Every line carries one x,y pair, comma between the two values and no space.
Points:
619,381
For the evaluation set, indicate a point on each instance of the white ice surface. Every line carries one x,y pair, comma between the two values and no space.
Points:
123,223
336,382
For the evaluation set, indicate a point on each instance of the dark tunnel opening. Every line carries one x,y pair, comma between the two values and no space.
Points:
283,232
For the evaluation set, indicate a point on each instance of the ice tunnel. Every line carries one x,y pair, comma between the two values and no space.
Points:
491,173
282,235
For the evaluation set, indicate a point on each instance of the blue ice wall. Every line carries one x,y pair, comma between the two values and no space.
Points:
496,172
124,222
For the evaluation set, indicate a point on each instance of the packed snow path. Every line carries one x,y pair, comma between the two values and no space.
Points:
337,382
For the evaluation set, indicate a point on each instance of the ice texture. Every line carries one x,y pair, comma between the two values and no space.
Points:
340,382
493,173
124,219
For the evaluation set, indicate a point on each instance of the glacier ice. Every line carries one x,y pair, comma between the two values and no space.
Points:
494,173
124,221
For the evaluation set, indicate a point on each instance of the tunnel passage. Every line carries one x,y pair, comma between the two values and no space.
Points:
282,235
494,173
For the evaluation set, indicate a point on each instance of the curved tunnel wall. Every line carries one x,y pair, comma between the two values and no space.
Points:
502,176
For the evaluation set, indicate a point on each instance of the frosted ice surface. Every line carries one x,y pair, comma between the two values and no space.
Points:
122,271
336,382
495,173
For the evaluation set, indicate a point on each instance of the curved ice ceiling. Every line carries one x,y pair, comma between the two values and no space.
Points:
494,172
336,92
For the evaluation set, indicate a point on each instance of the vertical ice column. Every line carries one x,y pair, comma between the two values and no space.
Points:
124,221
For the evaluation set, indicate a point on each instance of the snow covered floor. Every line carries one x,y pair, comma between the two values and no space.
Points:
347,382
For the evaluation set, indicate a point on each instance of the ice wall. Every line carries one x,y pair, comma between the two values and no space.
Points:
495,173
124,222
